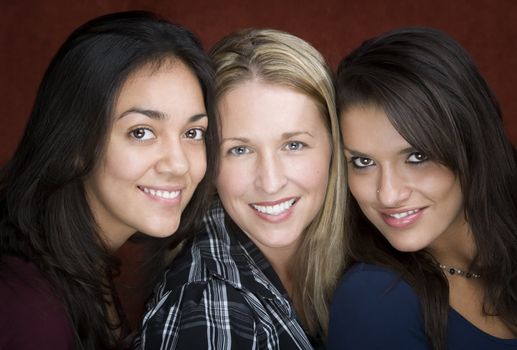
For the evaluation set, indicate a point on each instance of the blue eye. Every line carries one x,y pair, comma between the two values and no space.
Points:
361,162
294,146
416,157
142,134
195,134
239,150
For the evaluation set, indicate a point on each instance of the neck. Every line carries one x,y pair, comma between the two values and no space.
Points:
458,250
283,270
281,259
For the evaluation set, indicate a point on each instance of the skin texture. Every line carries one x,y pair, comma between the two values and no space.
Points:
275,148
156,143
389,178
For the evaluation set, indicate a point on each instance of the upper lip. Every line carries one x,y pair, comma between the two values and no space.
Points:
271,203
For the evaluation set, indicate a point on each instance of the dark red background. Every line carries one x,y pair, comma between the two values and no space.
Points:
31,32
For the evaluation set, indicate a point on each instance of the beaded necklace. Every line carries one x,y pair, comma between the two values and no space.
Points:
455,271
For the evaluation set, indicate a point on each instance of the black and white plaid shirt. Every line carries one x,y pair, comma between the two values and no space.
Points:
221,293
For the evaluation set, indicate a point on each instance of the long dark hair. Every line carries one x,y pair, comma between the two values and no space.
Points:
435,97
44,214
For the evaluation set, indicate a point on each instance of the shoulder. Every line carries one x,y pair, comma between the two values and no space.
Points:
32,315
371,281
201,259
200,281
187,315
179,293
375,300
369,290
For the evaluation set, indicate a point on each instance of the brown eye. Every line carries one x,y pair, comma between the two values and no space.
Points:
195,134
141,134
361,162
417,157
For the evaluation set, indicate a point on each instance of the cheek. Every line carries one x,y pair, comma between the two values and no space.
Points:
455,200
440,185
122,165
197,160
312,171
315,177
233,179
125,161
361,188
452,196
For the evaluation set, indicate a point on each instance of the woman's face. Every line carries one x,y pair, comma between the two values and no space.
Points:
275,157
155,154
414,202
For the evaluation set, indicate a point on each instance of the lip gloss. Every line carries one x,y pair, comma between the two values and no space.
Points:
402,222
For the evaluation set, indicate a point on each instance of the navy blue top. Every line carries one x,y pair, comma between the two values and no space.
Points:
374,309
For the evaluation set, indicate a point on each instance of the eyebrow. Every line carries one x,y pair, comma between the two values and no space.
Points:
197,117
285,135
159,115
356,153
364,155
238,139
147,112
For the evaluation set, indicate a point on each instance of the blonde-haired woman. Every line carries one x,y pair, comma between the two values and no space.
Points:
262,273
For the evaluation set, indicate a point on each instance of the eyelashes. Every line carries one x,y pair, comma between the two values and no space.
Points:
195,134
361,162
143,134
238,151
414,158
293,146
417,158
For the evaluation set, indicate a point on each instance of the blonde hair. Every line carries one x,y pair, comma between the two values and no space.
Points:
279,58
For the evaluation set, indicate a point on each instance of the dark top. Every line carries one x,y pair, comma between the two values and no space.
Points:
374,309
222,293
31,315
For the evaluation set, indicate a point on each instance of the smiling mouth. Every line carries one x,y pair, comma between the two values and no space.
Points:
160,193
403,214
276,209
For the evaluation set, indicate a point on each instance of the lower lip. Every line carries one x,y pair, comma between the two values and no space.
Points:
164,201
402,222
276,218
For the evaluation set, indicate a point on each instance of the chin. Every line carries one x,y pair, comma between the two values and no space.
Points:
162,232
280,244
407,247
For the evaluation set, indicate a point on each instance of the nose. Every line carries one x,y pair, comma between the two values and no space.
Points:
393,189
270,171
172,158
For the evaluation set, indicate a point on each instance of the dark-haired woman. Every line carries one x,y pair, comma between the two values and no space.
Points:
433,183
115,145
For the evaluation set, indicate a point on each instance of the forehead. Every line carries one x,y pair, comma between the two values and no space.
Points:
255,104
152,71
367,129
170,83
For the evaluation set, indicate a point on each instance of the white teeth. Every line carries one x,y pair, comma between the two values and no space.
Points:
161,193
276,209
404,214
